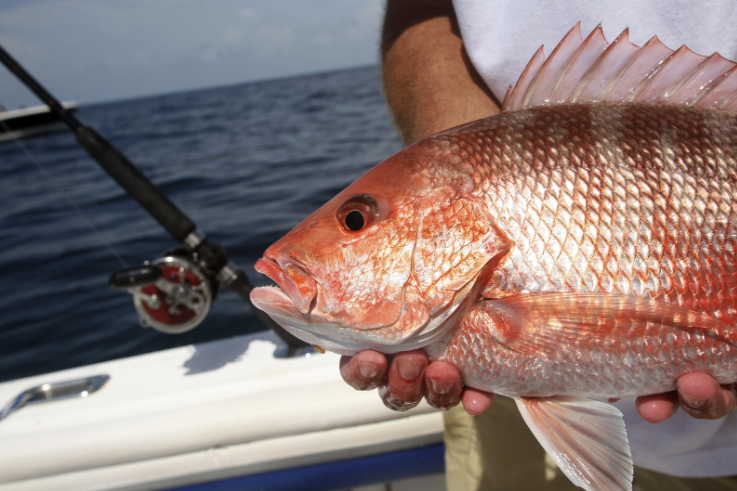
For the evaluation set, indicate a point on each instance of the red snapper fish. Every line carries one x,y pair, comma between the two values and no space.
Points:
579,246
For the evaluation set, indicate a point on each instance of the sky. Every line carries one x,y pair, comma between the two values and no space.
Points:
104,50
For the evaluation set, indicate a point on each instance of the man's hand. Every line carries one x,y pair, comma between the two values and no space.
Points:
410,377
697,393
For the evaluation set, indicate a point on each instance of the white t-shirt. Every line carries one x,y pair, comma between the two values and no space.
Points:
500,38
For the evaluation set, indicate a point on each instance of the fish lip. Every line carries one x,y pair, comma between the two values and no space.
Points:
292,279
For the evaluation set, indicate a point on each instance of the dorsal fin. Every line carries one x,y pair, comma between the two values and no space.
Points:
593,70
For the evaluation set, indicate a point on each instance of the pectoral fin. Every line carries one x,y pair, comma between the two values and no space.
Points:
587,439
560,322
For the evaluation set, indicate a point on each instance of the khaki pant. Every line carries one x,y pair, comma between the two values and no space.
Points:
497,452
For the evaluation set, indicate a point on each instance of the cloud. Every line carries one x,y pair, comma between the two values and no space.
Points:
273,39
248,14
323,40
140,57
209,54
128,48
367,21
232,36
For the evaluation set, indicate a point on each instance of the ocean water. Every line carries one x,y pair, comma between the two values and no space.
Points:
246,163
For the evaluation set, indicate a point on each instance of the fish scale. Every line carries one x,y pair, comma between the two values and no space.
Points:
632,245
618,365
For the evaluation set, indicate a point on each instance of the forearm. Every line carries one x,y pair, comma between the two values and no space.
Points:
429,81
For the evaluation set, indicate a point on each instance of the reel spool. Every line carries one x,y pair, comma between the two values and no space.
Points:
171,294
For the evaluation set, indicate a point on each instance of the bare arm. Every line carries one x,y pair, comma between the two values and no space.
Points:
429,81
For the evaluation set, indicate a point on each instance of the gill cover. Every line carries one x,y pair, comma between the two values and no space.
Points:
397,257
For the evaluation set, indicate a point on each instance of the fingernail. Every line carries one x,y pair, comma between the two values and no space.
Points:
442,386
693,402
444,407
409,369
393,403
368,370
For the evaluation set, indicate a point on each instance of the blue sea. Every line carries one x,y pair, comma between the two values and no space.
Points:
246,163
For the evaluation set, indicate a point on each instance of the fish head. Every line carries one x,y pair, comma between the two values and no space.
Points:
389,264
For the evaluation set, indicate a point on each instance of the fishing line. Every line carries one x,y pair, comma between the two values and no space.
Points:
68,198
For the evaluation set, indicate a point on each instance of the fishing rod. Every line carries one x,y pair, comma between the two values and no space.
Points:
172,294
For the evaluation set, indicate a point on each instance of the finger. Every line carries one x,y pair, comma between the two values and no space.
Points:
730,396
404,387
476,402
443,385
658,407
364,371
703,398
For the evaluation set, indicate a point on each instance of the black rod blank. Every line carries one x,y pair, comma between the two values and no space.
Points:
137,185
37,89
156,203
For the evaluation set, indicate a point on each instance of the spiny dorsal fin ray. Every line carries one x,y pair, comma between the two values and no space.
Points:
607,70
594,71
553,69
719,90
587,54
514,95
669,76
644,62
701,76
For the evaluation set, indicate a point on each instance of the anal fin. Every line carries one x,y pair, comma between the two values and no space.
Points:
586,438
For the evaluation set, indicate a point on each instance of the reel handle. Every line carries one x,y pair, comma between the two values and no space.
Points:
135,277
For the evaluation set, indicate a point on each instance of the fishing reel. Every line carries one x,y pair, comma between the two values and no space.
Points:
172,294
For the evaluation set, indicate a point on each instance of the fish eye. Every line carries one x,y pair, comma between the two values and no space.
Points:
354,221
357,213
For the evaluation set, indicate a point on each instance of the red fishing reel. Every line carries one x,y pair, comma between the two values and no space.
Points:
171,294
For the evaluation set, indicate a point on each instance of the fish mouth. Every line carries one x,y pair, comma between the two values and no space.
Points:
292,279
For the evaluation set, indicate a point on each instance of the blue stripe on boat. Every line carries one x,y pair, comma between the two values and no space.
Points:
337,475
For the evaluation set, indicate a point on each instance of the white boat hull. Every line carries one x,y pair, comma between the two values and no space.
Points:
199,414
